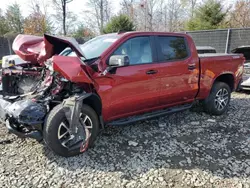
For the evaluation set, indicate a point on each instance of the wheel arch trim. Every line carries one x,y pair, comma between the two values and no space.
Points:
226,77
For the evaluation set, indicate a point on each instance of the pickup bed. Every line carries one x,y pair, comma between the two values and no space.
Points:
115,79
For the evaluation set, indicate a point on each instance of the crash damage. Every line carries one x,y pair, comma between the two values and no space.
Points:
63,90
55,80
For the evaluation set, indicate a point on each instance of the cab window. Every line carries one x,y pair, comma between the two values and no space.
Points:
138,50
172,48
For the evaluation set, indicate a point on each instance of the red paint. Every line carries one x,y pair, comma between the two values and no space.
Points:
130,91
38,49
28,47
71,68
213,67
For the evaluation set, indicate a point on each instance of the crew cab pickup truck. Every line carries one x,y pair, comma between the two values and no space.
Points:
114,79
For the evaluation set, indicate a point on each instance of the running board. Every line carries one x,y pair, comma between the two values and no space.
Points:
149,115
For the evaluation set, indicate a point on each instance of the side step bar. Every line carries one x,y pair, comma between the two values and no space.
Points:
150,115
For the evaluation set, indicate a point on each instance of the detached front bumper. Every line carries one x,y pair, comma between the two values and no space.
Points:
23,118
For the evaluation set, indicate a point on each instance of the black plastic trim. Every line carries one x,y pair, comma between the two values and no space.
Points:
33,134
150,115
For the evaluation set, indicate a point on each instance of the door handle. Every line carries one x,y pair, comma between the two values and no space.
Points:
191,66
151,72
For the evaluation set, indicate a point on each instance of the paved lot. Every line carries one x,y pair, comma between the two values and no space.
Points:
188,149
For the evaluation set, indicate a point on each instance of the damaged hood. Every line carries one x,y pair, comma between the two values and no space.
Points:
38,49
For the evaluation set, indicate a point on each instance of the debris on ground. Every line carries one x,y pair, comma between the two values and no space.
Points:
184,154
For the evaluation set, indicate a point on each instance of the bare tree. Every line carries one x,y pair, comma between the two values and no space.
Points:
127,8
162,15
61,7
240,16
150,9
143,13
190,5
174,15
100,12
147,15
137,12
193,6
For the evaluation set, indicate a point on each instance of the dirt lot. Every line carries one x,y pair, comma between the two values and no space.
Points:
188,149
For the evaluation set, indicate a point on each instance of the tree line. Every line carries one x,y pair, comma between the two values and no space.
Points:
147,15
187,15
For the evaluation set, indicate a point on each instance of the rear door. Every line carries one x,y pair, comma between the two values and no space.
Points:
179,72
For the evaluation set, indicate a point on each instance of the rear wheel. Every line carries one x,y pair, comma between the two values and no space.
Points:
218,100
57,133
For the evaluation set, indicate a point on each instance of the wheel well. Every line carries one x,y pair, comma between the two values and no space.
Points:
226,78
94,102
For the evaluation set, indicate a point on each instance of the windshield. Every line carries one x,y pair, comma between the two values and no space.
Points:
95,47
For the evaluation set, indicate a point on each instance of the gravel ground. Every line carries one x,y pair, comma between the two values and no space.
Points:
188,149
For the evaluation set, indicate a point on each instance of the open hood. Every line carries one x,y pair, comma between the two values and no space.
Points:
38,49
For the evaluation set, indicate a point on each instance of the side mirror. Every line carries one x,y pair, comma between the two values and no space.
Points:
118,61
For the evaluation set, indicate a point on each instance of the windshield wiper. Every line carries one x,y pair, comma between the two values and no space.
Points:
91,60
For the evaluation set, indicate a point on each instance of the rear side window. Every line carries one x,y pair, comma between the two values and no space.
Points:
172,48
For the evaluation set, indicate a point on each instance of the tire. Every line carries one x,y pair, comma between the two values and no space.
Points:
212,104
53,122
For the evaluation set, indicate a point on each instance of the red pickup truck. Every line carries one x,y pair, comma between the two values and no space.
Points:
114,79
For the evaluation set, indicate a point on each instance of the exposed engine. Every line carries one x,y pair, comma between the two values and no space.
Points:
19,80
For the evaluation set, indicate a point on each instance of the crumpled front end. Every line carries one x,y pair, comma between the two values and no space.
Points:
23,118
38,49
59,78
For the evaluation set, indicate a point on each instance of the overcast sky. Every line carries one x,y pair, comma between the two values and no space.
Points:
76,6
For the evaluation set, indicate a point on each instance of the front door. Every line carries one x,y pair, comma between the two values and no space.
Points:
135,88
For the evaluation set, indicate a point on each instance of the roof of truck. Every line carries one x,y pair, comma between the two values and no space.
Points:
146,33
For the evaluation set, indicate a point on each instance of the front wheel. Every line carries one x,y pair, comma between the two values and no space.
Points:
218,100
57,134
